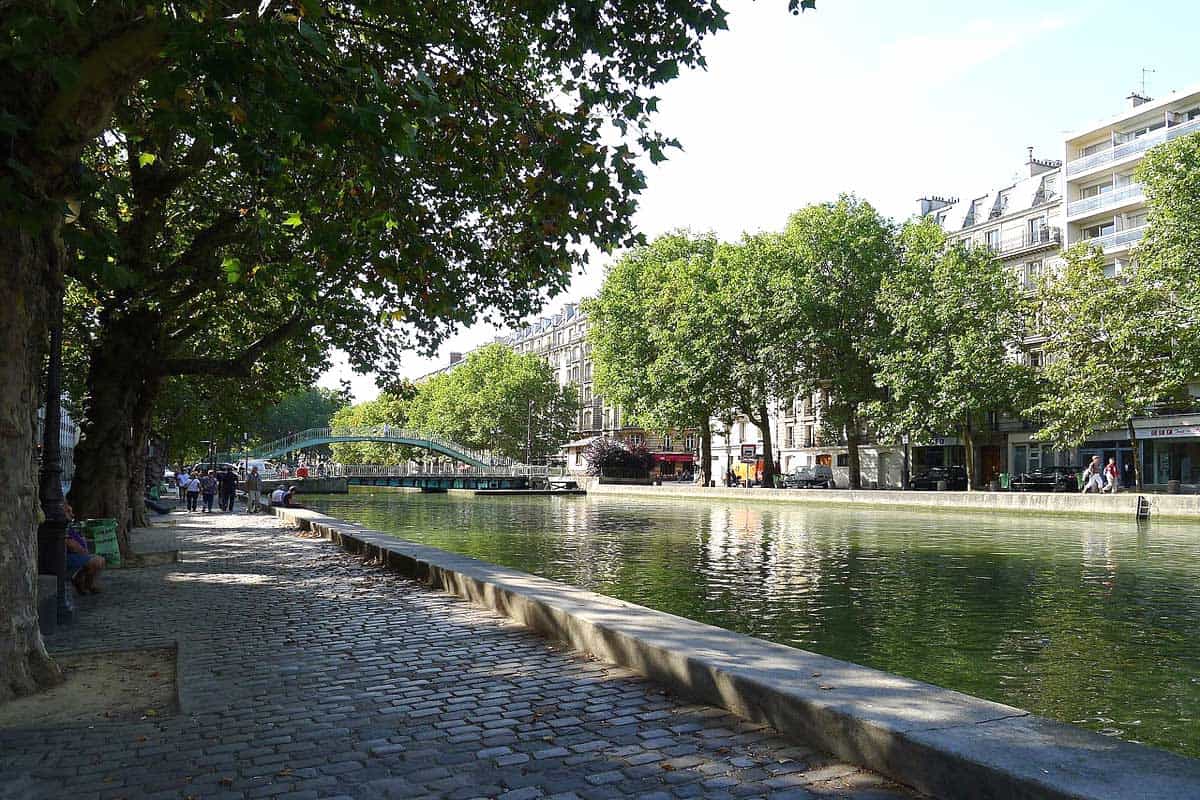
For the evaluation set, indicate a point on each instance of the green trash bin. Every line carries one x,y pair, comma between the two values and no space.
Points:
1005,481
102,539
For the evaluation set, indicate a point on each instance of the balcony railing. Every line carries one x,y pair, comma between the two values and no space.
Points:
1042,237
1122,195
1125,149
1118,239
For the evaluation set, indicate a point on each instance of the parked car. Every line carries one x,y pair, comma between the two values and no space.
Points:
815,477
1047,479
955,478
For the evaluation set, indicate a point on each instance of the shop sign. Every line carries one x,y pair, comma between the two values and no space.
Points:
1171,432
749,453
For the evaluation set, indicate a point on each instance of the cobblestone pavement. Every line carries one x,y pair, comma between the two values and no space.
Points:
306,673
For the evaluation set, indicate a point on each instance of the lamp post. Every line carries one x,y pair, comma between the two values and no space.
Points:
52,533
904,474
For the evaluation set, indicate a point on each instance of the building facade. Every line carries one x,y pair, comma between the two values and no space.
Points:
1089,196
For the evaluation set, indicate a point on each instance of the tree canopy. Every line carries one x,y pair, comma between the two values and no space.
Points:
498,400
1110,351
653,336
956,317
845,248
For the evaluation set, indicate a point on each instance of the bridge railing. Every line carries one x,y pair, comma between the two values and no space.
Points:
447,470
424,439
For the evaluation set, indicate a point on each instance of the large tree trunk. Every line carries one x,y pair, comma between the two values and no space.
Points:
107,457
764,426
1137,456
706,450
30,260
968,438
142,414
852,441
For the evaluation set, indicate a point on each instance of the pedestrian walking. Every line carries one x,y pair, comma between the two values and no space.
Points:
1111,475
193,492
181,481
253,486
1093,477
227,484
208,488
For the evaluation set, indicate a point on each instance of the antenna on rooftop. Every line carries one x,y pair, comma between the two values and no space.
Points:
1145,71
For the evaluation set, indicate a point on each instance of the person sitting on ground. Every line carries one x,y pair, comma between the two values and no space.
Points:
82,565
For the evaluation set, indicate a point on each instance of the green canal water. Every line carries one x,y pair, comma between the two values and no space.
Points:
1086,620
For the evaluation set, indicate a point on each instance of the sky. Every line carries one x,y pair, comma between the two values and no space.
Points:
888,100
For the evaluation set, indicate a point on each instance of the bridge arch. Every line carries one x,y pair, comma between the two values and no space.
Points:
383,434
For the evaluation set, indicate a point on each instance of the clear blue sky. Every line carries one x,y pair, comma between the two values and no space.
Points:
889,100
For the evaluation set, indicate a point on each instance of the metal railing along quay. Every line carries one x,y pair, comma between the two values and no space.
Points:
447,470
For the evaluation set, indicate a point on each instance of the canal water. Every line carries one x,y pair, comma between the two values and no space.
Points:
1086,620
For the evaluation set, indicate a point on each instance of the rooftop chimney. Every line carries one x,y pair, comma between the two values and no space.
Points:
1136,99
455,358
1036,166
933,203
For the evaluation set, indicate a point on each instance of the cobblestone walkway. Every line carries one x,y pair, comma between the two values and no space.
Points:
306,674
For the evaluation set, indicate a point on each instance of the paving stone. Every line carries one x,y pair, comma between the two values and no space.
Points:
311,673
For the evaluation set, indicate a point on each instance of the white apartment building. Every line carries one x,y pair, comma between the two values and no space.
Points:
1105,206
1090,196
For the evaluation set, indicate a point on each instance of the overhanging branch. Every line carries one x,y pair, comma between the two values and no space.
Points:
236,366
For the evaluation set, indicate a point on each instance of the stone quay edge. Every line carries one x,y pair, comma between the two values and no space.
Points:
938,741
1124,504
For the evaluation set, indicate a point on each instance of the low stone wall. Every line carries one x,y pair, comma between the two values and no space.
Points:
941,742
308,485
1122,504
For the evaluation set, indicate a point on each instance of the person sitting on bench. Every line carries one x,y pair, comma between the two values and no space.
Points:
82,565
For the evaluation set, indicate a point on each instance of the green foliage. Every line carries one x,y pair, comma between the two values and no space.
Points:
663,374
1109,350
311,408
1170,177
498,400
956,318
387,409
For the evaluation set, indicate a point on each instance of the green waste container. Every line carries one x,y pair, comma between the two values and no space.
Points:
1005,481
102,539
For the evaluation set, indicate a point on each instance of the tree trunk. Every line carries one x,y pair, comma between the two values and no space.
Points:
968,438
1137,456
706,450
107,455
29,261
852,456
141,441
764,426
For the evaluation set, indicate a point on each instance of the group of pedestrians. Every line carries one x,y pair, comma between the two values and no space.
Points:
202,487
1097,478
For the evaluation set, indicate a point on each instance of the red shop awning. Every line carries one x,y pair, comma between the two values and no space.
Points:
678,458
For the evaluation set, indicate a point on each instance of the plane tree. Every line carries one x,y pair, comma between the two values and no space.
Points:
1112,350
844,249
956,317
650,331
476,137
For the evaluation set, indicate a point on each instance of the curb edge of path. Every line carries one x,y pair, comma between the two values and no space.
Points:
944,743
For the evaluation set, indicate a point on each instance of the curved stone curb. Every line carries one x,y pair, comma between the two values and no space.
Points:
1044,503
938,741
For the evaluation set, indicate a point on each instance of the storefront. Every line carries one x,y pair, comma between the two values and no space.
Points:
1171,453
674,465
942,451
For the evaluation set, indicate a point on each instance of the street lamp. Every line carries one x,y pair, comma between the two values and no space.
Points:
52,533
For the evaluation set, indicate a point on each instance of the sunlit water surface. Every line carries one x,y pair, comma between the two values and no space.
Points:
1091,621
